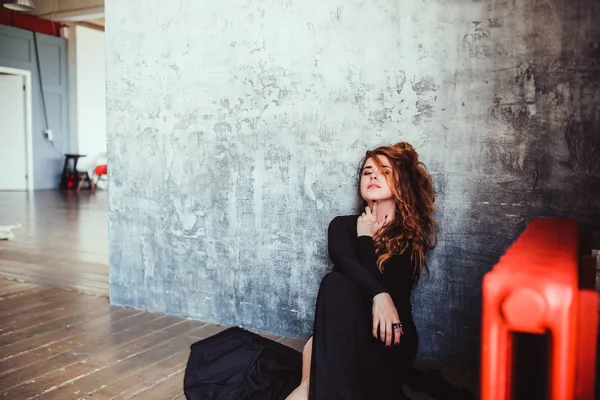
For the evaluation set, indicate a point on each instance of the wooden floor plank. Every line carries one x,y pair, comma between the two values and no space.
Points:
168,389
42,306
189,326
117,335
134,357
165,346
15,287
75,282
269,336
144,379
67,331
29,305
60,269
99,349
24,295
46,350
68,366
60,264
209,330
26,321
94,311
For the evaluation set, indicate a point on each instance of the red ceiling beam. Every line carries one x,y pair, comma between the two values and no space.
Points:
29,22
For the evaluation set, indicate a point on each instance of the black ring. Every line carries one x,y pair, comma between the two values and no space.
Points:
397,325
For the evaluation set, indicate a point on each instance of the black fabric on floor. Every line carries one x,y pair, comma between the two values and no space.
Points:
236,364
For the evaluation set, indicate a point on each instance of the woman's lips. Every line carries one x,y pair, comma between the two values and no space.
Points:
373,186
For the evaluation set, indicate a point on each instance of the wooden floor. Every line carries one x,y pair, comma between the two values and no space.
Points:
59,344
63,240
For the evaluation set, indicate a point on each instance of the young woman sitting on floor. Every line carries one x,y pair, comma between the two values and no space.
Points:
364,338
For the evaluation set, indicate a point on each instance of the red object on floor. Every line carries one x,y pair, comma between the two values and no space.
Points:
101,170
535,288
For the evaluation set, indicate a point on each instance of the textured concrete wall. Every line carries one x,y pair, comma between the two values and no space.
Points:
235,128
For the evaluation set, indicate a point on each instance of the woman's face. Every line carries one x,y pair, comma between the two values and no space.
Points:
373,182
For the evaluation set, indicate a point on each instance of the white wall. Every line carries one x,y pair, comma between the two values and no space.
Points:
87,90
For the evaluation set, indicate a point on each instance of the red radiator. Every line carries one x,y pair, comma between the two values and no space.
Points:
536,288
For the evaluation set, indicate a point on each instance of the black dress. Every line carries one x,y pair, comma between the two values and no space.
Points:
347,361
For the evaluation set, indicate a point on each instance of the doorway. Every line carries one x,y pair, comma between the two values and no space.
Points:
16,150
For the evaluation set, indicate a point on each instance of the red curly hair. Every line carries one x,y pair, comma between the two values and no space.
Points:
414,228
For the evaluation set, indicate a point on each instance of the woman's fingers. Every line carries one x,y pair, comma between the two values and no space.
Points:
388,333
397,333
382,330
375,327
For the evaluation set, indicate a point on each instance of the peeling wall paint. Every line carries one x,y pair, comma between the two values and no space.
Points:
235,128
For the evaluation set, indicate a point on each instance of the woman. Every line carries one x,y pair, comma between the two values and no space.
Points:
364,338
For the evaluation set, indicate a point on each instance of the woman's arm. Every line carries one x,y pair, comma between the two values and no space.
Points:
346,261
367,256
385,314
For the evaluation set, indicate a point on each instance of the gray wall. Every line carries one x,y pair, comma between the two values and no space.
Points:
235,129
17,51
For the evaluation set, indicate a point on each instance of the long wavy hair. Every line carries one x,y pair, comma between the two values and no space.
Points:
414,228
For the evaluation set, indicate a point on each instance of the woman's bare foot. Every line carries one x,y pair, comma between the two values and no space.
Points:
300,393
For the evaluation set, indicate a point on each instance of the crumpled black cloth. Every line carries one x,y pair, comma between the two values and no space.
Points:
236,364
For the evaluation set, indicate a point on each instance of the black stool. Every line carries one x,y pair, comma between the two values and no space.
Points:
70,176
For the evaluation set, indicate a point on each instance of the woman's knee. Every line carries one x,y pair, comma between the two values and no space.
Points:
337,287
337,280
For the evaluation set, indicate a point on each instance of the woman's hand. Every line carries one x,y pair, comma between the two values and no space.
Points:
384,316
368,224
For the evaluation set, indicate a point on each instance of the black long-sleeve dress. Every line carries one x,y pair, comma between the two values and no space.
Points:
347,361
